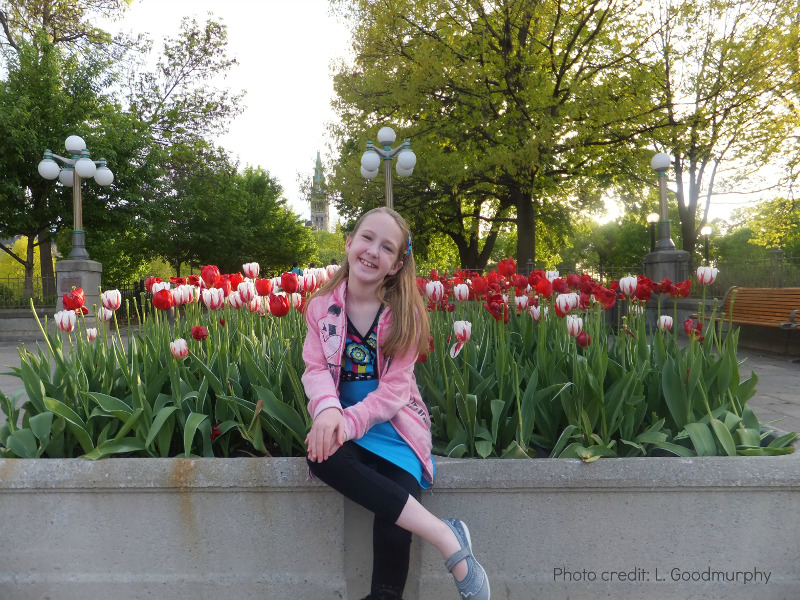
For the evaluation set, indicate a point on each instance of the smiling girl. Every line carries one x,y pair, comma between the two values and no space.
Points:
370,439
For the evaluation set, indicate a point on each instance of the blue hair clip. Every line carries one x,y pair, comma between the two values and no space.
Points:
408,249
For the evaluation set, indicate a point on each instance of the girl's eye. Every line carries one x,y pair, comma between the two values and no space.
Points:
387,248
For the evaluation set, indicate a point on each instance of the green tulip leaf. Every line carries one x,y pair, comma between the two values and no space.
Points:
702,440
111,447
23,443
41,426
189,430
724,436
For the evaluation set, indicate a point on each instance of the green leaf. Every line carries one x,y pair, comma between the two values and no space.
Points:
702,440
724,436
74,422
284,413
23,443
189,429
41,425
121,446
158,423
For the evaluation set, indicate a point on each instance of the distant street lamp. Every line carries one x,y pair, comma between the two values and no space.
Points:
75,168
660,164
652,219
371,160
706,231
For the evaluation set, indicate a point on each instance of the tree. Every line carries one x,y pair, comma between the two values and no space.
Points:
46,94
515,106
728,82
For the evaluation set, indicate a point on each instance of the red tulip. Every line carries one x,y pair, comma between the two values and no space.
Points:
163,299
583,339
177,280
199,333
507,267
480,285
224,283
193,280
279,304
560,286
74,300
148,283
544,288
289,283
264,287
235,279
209,273
497,308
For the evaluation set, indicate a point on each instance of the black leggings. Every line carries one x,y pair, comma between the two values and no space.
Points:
383,489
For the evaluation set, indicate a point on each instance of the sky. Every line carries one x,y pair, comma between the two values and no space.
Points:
284,49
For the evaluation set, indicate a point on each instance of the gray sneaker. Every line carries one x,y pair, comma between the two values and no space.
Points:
475,586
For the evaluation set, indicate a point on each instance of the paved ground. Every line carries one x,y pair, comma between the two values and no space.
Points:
777,394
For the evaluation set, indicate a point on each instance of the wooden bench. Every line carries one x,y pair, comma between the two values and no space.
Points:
767,307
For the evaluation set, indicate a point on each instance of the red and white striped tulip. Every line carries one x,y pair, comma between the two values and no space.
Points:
235,300
182,295
706,275
214,298
434,290
105,314
551,275
331,269
247,291
537,312
250,269
309,281
91,333
256,305
111,299
65,319
574,325
521,302
463,331
461,292
627,285
179,348
297,300
665,323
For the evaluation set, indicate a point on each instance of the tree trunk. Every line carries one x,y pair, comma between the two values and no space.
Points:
526,228
46,265
29,264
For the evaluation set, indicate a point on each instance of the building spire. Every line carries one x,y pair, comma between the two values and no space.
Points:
320,206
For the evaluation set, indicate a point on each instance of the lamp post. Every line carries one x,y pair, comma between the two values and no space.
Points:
371,160
80,165
660,163
706,231
652,219
664,261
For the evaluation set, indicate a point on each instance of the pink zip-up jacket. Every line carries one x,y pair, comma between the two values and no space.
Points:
396,399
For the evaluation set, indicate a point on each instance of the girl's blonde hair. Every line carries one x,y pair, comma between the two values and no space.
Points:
410,327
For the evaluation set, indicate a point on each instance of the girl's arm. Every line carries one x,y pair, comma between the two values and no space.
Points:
317,380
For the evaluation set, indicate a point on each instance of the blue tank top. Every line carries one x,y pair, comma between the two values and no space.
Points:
359,377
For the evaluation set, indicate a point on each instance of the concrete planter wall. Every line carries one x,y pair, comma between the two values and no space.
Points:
655,528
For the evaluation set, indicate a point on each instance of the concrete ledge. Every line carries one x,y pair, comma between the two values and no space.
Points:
259,528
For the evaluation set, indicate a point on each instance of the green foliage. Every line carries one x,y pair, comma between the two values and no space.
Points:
329,246
516,109
516,390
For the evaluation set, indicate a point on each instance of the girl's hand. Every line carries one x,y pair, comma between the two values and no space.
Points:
326,436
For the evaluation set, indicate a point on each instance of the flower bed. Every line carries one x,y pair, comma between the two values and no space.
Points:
519,367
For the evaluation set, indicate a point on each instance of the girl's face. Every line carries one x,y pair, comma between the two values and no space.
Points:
373,250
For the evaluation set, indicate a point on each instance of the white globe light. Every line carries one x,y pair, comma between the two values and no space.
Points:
406,159
75,144
371,160
661,162
401,172
104,176
49,168
66,176
366,174
85,167
386,136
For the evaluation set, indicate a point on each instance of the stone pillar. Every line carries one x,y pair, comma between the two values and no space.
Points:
83,274
667,263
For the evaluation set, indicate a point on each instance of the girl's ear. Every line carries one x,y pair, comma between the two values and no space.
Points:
397,266
347,243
